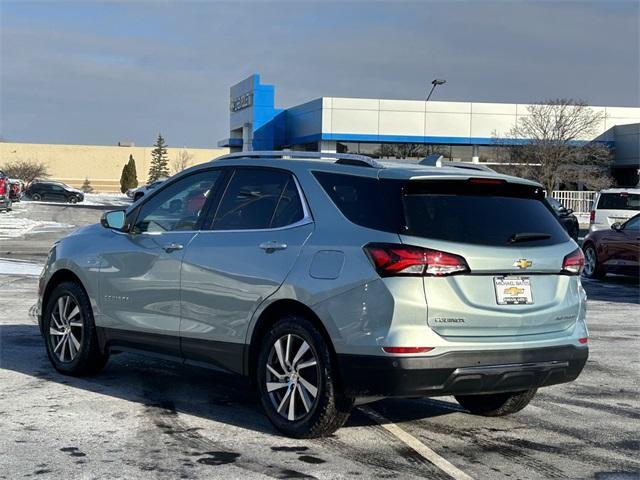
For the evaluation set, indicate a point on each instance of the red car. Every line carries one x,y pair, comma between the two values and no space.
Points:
613,251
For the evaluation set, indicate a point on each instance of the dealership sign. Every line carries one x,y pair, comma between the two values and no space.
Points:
241,102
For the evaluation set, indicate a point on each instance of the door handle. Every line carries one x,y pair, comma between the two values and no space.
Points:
172,247
272,246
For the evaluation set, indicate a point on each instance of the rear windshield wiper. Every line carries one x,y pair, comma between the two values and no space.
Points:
528,237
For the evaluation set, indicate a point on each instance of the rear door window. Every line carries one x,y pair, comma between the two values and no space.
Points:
496,215
258,198
619,201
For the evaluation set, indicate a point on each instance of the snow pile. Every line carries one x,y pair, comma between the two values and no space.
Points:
19,267
115,199
13,226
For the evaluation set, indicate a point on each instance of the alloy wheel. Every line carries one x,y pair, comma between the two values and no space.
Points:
590,261
292,377
66,328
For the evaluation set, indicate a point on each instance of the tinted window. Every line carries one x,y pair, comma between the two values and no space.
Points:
254,200
479,214
178,206
619,201
365,201
633,224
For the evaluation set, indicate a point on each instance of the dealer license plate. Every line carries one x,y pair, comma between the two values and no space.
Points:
513,290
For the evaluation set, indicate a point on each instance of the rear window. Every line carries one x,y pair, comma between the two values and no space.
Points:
446,210
498,215
619,201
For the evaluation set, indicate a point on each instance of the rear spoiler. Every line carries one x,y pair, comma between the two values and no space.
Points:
437,160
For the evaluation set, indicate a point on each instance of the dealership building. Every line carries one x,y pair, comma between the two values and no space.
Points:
462,131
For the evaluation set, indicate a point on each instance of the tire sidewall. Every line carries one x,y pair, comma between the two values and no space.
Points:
36,197
596,267
88,328
326,389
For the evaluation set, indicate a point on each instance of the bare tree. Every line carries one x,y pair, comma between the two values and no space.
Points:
26,170
557,145
182,161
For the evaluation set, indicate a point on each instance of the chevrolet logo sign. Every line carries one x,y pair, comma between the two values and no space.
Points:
522,263
513,291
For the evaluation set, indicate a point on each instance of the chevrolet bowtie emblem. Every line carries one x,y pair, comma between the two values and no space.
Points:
513,291
522,263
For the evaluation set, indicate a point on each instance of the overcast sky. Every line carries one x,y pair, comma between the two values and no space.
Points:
97,73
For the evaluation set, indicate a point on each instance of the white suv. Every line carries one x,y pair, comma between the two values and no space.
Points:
614,205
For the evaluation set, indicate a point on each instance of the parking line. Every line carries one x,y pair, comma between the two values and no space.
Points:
416,445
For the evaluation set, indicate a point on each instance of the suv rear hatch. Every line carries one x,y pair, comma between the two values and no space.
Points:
615,207
514,249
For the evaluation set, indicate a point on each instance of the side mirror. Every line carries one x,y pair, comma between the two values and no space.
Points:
617,226
114,219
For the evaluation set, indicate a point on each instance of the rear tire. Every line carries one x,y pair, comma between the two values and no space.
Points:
70,332
36,197
281,377
592,268
496,404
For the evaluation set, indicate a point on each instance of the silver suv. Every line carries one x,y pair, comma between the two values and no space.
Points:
329,281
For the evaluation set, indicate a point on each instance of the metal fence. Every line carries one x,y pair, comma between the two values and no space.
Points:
578,201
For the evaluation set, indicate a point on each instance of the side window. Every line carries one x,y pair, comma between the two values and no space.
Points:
258,199
633,224
178,206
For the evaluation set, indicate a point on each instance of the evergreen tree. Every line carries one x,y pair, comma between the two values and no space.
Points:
124,178
133,174
159,160
86,186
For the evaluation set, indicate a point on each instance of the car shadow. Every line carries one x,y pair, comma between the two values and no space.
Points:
613,288
164,387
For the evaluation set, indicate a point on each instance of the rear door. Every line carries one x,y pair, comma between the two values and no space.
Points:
254,238
514,247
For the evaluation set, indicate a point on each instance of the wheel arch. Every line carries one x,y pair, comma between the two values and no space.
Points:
271,314
59,277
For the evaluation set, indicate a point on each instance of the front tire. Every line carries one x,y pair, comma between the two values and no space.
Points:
296,378
496,404
592,268
73,199
70,332
36,197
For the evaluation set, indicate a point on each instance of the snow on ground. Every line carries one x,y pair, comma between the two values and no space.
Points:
13,225
19,267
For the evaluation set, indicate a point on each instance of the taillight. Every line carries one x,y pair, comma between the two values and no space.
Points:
573,263
592,216
487,181
3,186
392,259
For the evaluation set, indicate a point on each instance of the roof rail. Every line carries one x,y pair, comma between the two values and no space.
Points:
341,158
436,160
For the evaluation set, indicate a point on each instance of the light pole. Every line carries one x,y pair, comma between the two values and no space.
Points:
435,83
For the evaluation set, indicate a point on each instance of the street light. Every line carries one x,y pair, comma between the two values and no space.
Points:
435,83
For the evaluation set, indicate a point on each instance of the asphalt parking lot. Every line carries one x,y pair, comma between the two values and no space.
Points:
149,418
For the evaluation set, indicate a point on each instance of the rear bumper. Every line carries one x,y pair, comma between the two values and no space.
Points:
462,372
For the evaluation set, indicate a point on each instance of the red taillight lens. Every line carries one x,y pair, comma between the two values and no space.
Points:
394,260
583,340
487,181
573,263
592,216
3,186
407,349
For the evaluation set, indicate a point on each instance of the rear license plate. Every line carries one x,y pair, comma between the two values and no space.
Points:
513,290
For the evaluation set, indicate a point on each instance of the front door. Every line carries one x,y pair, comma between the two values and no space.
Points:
254,238
140,272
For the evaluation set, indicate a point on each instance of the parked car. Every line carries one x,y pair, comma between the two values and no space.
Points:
137,193
53,192
312,277
616,250
566,217
15,189
5,198
614,205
